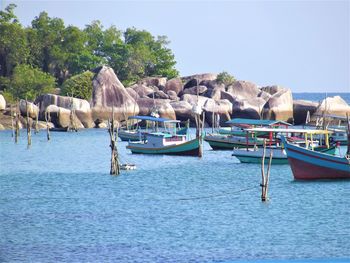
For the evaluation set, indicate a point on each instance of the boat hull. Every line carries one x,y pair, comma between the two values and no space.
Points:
311,165
255,156
131,135
189,148
307,171
227,143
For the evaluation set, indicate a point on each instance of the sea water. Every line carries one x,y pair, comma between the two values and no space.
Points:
58,203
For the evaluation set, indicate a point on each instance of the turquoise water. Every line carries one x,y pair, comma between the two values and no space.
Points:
58,203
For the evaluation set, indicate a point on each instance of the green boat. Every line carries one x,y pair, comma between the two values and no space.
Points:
237,137
169,141
162,143
279,156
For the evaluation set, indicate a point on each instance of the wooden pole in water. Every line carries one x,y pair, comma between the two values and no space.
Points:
12,122
113,134
29,133
36,130
18,114
265,177
47,119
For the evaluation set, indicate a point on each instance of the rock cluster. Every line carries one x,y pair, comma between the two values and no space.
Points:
174,99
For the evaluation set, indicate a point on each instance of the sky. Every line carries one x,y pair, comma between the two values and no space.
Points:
302,45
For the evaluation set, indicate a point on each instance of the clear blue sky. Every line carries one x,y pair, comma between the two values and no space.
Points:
303,45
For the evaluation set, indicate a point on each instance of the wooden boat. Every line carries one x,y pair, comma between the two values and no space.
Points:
162,143
139,134
309,165
279,156
166,142
237,137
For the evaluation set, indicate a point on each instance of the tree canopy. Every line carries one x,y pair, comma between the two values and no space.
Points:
48,45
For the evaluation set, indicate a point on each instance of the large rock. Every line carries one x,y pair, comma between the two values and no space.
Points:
174,85
172,95
333,106
222,108
142,90
61,118
280,105
154,81
108,92
2,102
183,110
210,106
85,117
201,90
159,95
243,89
249,108
61,101
300,109
133,93
163,107
199,78
33,110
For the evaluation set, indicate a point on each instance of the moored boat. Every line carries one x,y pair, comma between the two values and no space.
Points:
279,156
170,141
310,165
237,137
138,134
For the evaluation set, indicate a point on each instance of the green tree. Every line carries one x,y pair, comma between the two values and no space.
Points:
79,86
225,78
28,82
13,42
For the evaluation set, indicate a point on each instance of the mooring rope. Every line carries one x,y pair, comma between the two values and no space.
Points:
208,196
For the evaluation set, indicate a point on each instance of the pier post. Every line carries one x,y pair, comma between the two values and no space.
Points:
47,119
29,124
113,134
265,177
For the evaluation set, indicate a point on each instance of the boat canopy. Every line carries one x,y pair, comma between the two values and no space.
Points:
276,130
150,118
240,121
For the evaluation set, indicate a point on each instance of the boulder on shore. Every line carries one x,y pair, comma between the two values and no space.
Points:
163,107
61,117
333,106
249,108
174,85
280,104
300,109
33,110
2,102
108,92
65,102
183,110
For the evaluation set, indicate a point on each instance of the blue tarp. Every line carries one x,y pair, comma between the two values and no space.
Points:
240,121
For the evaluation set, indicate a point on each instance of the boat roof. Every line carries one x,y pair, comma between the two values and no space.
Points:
241,121
275,130
150,118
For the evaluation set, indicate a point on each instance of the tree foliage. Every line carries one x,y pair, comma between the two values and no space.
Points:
225,78
79,86
64,51
28,82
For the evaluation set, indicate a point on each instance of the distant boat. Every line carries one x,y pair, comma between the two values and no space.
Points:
279,156
139,134
237,137
309,165
166,142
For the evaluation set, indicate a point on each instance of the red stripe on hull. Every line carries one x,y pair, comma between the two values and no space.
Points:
306,171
